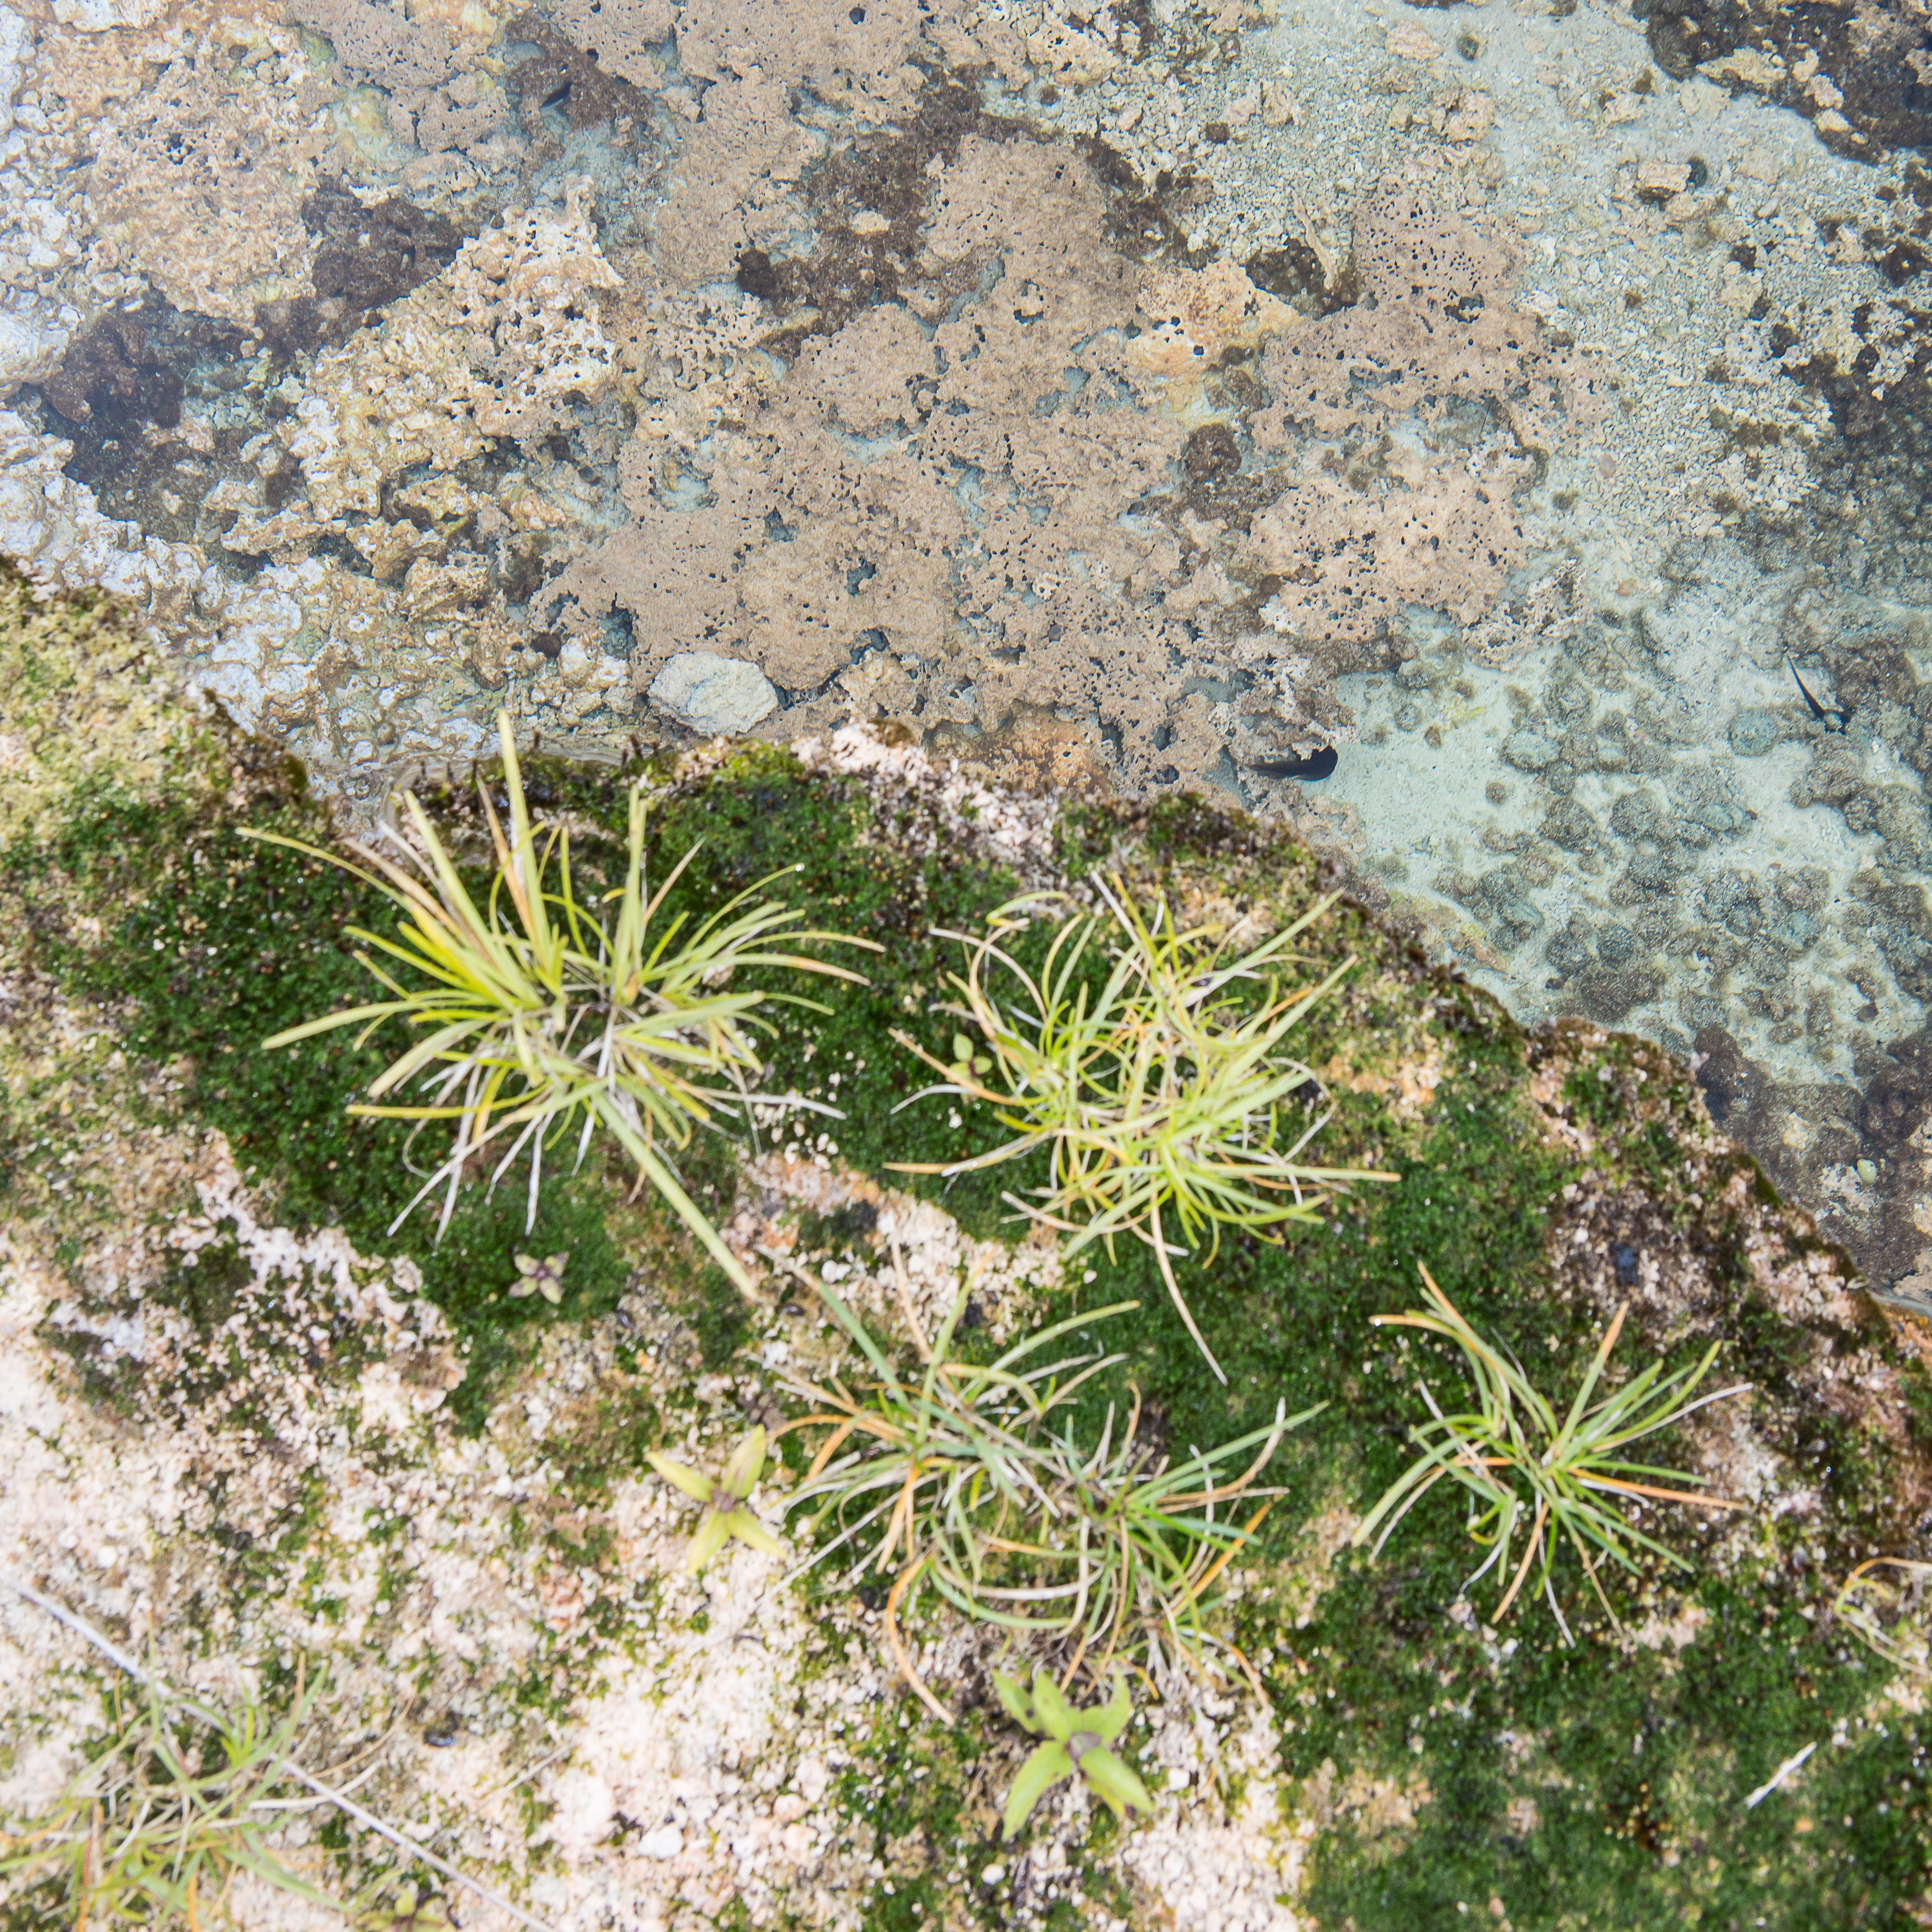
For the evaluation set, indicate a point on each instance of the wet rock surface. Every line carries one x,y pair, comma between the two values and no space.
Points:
1137,395
1859,1153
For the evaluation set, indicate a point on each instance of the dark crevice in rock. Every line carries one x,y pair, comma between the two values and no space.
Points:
1876,59
886,175
366,258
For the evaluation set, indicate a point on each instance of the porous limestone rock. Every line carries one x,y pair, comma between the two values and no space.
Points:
16,44
31,340
52,527
199,182
98,16
497,345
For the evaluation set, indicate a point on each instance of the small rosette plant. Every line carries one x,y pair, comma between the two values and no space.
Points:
1078,1744
539,1274
725,1517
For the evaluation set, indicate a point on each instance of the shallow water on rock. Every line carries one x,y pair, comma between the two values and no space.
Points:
1519,400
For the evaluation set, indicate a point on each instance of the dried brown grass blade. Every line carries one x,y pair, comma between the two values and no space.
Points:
901,1655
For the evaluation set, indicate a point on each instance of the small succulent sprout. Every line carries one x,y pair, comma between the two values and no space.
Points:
1078,1742
411,1908
967,1064
544,1277
725,1516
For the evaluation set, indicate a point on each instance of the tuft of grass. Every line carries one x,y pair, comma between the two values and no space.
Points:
560,1018
153,1831
970,1477
1163,1092
1883,1602
1516,1458
172,1802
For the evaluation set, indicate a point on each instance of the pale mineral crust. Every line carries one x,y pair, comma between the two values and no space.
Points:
201,190
496,347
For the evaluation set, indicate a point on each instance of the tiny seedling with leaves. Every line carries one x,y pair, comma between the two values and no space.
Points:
1166,1095
538,1274
725,1517
560,1016
1079,1744
972,1477
1520,1461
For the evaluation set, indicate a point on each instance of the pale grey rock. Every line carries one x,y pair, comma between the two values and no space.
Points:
1528,751
1754,732
717,696
16,49
32,338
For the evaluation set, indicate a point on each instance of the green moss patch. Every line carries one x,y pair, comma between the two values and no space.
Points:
1457,1772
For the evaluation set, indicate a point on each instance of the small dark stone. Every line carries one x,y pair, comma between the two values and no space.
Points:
111,362
1638,815
561,75
1903,260
1210,452
1729,1082
1528,751
756,275
1606,994
1900,1096
1294,273
1569,951
1754,732
366,257
1569,825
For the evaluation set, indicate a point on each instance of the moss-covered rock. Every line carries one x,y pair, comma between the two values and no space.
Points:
251,1415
